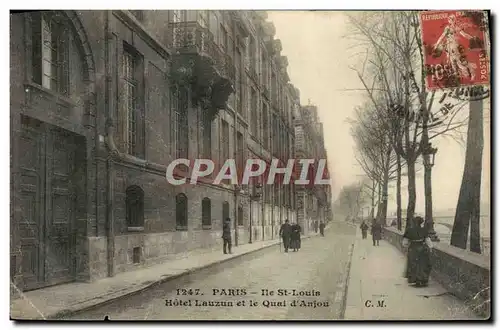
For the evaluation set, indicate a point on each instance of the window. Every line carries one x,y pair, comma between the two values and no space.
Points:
225,141
139,14
130,99
225,211
206,213
269,193
134,207
203,18
239,82
275,135
276,194
254,113
265,70
282,141
241,154
206,135
265,126
288,195
274,90
181,216
180,129
136,255
285,144
224,42
280,99
214,26
252,50
282,197
230,45
51,39
240,215
178,16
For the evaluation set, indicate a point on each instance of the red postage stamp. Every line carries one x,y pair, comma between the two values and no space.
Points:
454,49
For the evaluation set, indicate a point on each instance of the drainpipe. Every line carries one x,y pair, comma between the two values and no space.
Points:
236,192
110,233
113,152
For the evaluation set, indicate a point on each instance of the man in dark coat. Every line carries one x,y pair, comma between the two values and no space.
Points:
285,234
316,226
322,228
226,236
376,232
364,229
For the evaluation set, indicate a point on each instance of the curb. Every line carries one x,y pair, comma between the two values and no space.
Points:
345,284
91,304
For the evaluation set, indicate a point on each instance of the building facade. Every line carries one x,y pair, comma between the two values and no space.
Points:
103,101
314,202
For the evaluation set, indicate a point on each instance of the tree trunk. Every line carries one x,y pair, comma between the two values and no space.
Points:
428,194
379,199
382,210
468,209
398,193
429,219
372,211
412,196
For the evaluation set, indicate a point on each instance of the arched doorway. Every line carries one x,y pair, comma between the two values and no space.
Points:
52,141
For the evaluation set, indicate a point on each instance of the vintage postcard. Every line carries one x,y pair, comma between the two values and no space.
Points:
250,165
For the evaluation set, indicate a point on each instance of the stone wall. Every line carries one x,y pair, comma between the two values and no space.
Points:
464,274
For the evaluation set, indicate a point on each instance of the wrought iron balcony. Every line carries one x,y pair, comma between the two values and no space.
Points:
199,62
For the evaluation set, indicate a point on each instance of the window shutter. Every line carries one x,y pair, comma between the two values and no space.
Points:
174,119
64,60
36,44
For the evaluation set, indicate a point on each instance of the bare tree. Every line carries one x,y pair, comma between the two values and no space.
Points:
351,200
392,75
375,154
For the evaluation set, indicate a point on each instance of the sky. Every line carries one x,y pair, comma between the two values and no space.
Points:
320,56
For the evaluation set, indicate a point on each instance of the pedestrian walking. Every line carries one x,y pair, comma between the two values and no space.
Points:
376,232
416,239
295,237
226,236
316,226
322,228
364,229
285,234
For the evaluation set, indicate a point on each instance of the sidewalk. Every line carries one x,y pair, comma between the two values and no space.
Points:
377,289
57,301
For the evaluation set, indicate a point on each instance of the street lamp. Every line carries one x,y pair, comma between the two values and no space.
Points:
429,155
254,195
383,214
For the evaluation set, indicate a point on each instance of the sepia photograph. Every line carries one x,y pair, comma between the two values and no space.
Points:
250,165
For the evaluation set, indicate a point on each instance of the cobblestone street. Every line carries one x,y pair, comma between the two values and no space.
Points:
318,268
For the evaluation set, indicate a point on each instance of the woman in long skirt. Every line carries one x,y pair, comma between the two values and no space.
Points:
376,232
295,238
416,238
